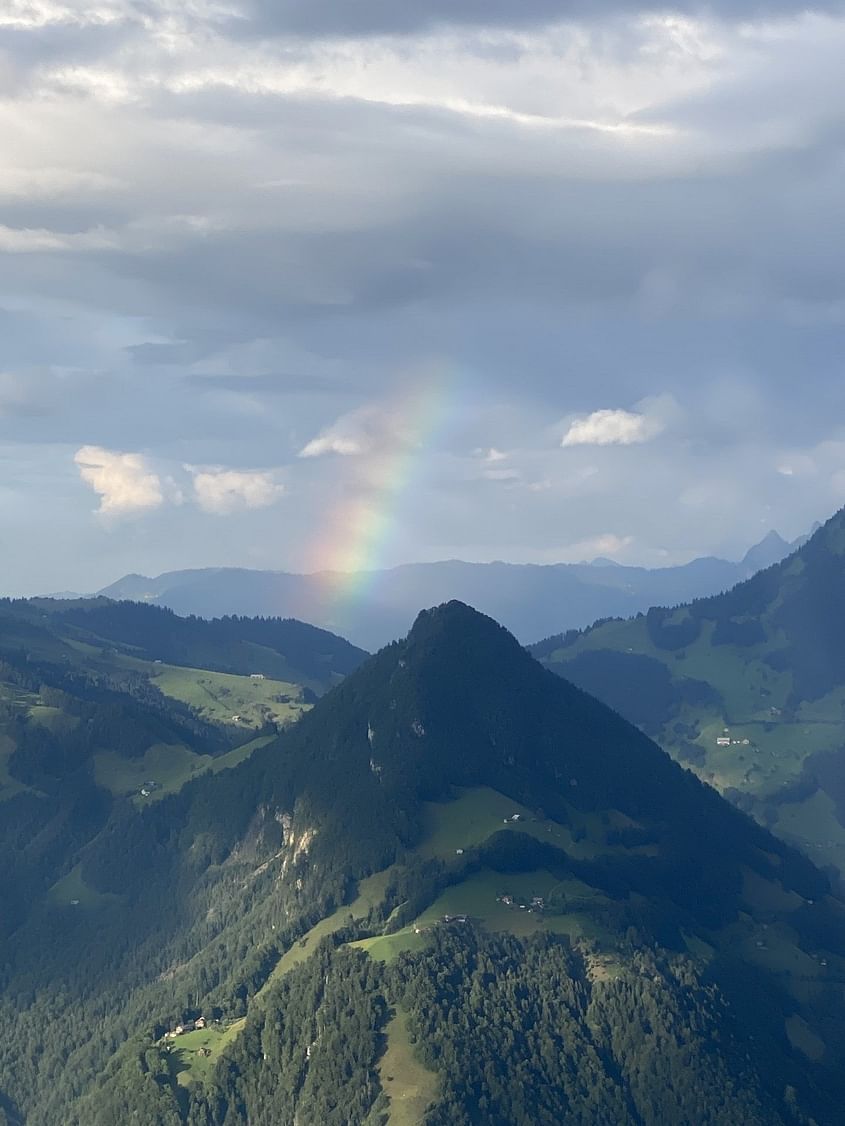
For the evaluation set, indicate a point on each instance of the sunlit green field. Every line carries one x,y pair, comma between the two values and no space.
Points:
170,766
188,1061
218,697
409,1086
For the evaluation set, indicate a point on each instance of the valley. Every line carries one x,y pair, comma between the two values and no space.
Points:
745,688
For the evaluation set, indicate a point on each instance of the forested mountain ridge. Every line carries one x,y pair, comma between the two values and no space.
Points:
456,869
529,599
747,688
284,648
91,720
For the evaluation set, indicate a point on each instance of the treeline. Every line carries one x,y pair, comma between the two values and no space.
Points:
517,1032
223,644
523,1033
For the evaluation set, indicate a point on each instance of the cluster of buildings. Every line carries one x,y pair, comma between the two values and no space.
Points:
186,1026
725,740
537,903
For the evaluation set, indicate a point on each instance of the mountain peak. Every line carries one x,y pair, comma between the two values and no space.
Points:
771,549
453,614
455,631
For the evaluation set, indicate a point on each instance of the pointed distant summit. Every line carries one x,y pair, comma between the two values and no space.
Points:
771,549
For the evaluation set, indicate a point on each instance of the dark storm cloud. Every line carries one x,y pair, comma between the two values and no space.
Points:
404,17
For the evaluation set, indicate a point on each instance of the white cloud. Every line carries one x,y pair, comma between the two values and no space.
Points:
123,481
606,544
222,491
360,432
611,428
331,443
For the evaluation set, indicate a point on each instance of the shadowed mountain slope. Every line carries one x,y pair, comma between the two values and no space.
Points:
746,687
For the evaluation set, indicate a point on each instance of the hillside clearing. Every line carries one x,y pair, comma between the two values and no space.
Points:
219,697
409,1086
194,1055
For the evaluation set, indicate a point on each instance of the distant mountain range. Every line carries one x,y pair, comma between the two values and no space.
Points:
532,601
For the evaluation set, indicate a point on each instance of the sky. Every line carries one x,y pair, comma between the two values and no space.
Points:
309,284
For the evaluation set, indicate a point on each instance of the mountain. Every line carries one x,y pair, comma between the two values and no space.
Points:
770,550
457,890
105,703
747,688
530,600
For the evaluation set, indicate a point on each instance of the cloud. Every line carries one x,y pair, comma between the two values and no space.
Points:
217,241
360,432
223,491
332,443
606,544
385,17
123,481
612,428
491,454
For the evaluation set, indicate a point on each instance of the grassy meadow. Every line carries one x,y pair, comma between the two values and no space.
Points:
219,697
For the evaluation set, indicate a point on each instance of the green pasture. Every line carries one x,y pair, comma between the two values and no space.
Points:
72,891
409,1086
475,814
813,826
187,1053
218,697
169,765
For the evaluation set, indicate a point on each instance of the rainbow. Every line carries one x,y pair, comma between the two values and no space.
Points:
359,531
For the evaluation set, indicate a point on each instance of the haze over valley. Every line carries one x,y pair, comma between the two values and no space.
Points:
373,608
